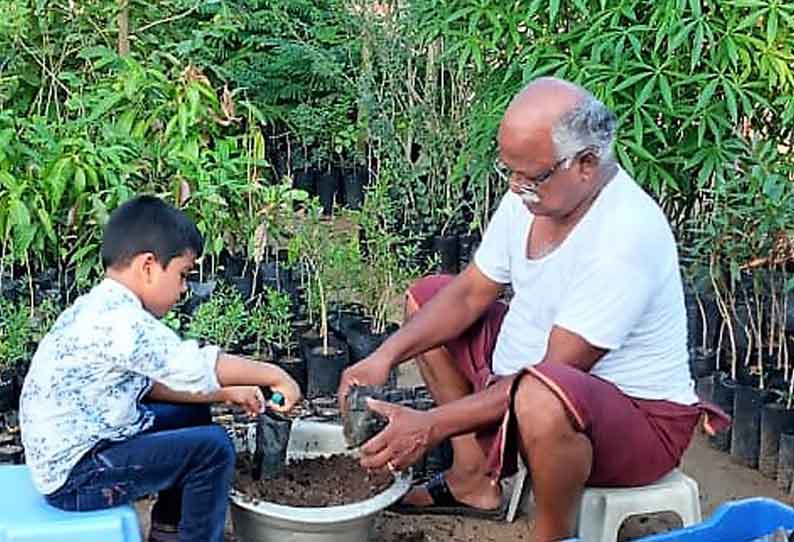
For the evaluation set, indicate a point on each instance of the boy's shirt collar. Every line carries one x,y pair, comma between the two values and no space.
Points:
117,287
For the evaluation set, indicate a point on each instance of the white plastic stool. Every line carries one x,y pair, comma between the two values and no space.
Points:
603,510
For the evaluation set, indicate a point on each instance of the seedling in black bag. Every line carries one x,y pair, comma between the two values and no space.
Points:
359,422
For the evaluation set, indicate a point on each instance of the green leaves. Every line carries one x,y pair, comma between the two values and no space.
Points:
417,95
223,321
17,331
681,76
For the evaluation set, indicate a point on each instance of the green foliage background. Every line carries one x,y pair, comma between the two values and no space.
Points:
220,99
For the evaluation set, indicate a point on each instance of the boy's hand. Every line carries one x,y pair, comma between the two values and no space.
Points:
233,371
291,392
249,398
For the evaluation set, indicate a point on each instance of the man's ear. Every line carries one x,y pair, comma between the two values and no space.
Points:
588,166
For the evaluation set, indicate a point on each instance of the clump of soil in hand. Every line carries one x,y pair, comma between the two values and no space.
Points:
316,482
359,423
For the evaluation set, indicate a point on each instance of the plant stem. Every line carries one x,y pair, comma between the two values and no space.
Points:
323,316
253,282
726,316
703,320
124,27
790,393
3,261
783,348
30,284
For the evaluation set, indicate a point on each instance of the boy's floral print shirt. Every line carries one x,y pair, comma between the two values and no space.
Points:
89,374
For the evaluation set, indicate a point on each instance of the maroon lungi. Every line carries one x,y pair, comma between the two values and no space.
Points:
634,441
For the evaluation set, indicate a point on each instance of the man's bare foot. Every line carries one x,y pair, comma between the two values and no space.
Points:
477,491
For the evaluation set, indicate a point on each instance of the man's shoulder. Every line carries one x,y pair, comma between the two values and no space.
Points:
509,203
631,216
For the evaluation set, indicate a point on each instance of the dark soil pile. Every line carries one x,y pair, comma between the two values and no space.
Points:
317,482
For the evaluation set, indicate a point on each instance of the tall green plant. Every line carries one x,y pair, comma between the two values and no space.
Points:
689,81
330,258
744,241
385,274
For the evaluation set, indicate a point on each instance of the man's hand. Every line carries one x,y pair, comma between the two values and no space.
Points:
407,437
370,371
249,398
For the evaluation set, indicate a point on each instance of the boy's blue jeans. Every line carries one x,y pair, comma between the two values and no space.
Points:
185,458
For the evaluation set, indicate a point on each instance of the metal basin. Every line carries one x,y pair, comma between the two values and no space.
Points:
259,521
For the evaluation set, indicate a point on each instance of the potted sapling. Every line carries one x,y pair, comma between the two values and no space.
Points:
278,331
317,246
385,278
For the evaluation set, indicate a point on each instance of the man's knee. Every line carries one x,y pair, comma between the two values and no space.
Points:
410,308
539,411
411,304
428,286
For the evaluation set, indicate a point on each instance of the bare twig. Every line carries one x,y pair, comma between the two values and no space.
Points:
771,261
171,19
43,66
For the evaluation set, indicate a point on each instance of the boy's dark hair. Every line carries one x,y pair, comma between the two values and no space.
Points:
148,224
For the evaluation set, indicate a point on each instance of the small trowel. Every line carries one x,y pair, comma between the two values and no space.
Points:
272,438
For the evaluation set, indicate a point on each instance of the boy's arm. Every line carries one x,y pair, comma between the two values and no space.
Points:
234,370
158,353
161,392
249,398
238,371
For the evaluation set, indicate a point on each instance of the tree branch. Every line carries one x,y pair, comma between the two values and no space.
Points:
168,19
124,28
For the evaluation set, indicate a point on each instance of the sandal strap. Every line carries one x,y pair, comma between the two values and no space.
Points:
439,491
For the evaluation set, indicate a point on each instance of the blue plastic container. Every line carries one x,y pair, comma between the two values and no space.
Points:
737,521
26,517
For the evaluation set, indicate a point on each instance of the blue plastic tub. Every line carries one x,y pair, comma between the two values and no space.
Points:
737,521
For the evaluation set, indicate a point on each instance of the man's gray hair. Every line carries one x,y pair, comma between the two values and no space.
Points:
589,125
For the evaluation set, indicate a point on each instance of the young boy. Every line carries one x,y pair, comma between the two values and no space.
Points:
90,439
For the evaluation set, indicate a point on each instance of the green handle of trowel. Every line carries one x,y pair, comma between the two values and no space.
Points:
275,397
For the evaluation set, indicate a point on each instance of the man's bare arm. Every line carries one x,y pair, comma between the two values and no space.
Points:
448,314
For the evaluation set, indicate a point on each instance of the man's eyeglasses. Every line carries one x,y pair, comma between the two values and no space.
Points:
507,175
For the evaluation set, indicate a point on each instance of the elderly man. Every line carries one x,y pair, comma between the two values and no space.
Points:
587,368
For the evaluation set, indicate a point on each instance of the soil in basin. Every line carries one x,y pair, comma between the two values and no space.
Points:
317,482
